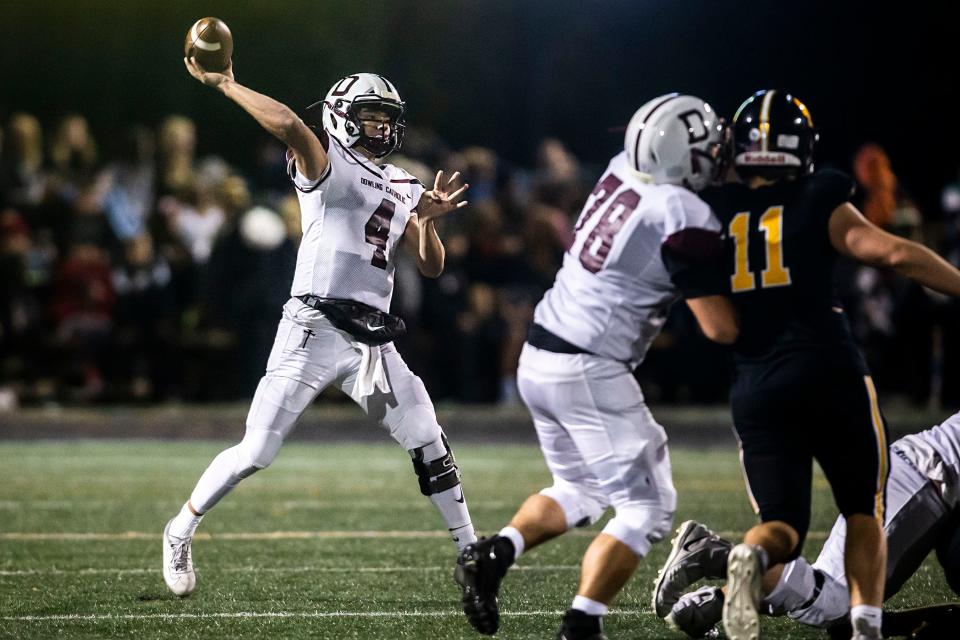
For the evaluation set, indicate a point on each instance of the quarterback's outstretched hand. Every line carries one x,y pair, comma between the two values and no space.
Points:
442,199
210,78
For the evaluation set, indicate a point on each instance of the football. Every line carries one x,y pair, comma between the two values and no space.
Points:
210,43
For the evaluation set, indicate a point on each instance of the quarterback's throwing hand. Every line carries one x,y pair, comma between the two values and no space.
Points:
209,78
442,199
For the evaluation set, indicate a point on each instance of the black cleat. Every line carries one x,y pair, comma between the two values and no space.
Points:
698,613
578,625
480,569
696,553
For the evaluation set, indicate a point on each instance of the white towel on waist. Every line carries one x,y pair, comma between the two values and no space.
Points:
372,375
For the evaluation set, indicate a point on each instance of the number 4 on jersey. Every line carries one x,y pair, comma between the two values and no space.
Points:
377,232
775,274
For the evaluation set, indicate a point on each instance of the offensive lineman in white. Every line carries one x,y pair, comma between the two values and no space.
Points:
336,328
642,242
923,503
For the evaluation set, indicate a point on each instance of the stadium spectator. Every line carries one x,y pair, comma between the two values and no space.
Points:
143,339
178,142
949,315
82,305
892,317
130,184
247,281
23,181
154,223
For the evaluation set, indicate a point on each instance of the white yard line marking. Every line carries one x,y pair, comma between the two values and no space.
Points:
296,535
279,570
287,614
289,505
242,535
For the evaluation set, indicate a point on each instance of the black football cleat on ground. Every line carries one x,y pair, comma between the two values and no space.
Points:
578,625
698,613
480,569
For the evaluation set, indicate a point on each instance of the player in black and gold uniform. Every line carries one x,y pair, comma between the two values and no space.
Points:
801,388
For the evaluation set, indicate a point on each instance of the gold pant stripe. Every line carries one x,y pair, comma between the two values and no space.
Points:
881,444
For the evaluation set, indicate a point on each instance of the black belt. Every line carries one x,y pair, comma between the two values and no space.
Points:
318,303
362,321
541,338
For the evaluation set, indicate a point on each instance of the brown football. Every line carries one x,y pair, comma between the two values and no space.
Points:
210,43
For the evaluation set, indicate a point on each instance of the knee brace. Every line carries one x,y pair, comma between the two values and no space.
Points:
640,527
580,508
435,467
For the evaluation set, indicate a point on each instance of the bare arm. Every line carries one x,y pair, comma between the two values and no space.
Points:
420,236
717,318
853,235
423,242
276,117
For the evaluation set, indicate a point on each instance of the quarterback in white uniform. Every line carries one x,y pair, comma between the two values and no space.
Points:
923,496
336,328
643,240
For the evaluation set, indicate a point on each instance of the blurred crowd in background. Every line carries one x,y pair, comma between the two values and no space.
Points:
134,270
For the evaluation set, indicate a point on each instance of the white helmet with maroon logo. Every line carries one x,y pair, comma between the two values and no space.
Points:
676,139
347,96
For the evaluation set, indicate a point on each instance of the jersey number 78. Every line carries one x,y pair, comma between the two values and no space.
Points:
597,246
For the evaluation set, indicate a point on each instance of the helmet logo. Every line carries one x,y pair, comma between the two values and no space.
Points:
754,134
696,125
786,141
344,86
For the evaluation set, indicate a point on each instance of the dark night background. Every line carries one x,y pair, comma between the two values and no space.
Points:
505,74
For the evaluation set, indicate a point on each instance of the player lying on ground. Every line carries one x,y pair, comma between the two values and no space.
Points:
922,515
801,389
642,241
336,328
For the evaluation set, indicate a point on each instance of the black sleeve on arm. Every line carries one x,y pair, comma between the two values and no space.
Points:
694,259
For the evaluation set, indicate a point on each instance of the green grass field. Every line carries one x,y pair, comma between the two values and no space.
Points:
333,541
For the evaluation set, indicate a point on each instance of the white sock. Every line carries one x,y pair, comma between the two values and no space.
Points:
870,616
514,536
589,607
185,523
453,507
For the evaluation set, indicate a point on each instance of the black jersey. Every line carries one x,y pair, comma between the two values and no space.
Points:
780,263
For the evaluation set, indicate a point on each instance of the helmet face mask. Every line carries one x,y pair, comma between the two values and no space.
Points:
773,137
363,93
676,139
384,112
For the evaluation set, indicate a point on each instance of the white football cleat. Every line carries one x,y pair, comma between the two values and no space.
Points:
741,618
178,563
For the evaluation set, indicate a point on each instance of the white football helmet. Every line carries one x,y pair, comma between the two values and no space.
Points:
676,139
339,111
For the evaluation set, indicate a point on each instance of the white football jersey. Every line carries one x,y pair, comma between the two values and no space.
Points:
612,295
352,219
936,454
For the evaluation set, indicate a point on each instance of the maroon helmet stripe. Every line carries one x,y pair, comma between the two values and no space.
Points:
387,82
636,145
